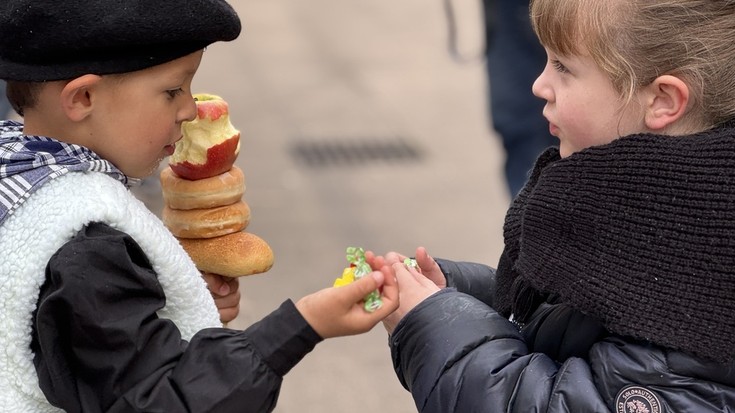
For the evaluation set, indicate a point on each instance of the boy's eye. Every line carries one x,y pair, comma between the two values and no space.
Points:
559,66
174,92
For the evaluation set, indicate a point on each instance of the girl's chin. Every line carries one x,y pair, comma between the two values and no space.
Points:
565,151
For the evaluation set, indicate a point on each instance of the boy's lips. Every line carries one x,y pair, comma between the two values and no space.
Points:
171,148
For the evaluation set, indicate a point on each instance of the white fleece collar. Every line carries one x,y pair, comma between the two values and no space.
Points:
45,222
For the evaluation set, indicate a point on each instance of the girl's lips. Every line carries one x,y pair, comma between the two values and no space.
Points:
553,129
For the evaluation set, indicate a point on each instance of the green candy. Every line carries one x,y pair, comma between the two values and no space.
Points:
356,257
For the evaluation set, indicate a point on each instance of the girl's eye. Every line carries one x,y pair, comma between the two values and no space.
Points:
174,92
559,66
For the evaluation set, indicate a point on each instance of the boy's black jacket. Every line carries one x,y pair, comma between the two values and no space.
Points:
101,293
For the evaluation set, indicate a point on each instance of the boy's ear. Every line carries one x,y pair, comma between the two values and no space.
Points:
667,100
77,96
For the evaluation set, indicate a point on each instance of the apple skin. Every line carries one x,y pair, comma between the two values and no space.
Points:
210,144
210,106
220,159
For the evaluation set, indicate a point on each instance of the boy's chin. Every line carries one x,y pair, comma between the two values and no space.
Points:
151,170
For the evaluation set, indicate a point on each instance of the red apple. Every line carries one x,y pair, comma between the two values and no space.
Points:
210,144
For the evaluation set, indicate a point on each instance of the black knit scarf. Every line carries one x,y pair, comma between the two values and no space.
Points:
639,233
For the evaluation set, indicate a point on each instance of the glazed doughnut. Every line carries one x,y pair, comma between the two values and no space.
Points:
220,190
207,222
232,255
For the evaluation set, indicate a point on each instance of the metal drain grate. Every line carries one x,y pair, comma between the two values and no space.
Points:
352,151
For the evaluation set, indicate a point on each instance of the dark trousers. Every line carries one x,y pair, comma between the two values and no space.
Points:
514,60
4,104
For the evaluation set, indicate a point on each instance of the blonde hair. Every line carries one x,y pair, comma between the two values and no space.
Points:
635,41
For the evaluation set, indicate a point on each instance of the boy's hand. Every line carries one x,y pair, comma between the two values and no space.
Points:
226,294
339,311
415,288
427,266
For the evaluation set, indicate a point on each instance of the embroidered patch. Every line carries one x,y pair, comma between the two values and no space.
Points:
637,399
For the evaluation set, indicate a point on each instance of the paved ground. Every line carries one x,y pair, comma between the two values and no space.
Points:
358,129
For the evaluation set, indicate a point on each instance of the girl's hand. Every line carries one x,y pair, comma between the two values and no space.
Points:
226,294
415,288
339,311
427,266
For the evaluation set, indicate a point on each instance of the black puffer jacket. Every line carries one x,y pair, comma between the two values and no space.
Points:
456,354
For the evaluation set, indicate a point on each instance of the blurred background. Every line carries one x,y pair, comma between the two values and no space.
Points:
359,128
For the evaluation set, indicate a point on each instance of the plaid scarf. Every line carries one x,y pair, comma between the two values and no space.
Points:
28,162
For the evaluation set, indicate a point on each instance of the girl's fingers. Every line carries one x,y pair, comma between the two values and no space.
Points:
406,276
425,261
394,257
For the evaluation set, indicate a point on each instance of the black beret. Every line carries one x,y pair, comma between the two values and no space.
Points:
44,40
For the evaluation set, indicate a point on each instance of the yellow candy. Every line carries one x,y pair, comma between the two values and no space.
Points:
348,277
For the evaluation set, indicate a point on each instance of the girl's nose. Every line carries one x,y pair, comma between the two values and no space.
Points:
541,88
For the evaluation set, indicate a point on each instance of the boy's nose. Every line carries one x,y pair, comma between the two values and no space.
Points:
189,112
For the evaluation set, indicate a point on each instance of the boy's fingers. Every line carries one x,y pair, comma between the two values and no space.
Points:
390,287
374,260
364,286
389,278
216,284
359,289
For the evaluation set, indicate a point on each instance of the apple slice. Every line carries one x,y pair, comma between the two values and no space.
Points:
210,144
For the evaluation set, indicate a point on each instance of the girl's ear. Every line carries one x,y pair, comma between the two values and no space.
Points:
77,100
666,102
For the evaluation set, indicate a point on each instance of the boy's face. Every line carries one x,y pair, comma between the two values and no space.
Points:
582,107
138,116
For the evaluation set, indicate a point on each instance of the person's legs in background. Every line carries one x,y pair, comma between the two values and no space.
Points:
5,107
514,60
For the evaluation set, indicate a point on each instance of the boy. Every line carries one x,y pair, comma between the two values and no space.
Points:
102,309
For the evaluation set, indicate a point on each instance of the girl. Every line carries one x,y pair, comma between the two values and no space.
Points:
616,287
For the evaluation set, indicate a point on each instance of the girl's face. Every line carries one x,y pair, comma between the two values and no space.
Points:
142,115
582,107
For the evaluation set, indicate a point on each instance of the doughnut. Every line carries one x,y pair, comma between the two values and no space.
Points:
207,222
220,190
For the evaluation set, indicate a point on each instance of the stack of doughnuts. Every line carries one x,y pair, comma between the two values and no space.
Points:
203,196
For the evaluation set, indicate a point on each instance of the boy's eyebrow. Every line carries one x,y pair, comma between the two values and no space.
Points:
187,72
181,74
